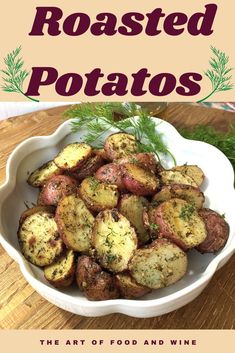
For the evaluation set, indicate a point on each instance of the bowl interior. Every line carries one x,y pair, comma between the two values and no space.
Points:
218,189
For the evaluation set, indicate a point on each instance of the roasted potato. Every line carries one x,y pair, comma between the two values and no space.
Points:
217,231
98,196
101,153
114,240
55,189
89,168
139,181
73,156
32,210
61,272
132,207
169,177
188,193
158,266
119,145
40,176
149,222
111,173
129,288
39,239
93,281
180,222
75,223
192,171
144,160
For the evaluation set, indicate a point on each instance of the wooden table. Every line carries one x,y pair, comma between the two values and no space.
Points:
22,308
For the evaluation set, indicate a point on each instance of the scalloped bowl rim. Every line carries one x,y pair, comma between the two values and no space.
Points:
117,304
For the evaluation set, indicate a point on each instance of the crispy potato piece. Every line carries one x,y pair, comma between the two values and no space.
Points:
101,153
192,171
89,168
119,145
144,160
32,210
129,288
132,207
217,231
61,273
169,177
73,156
40,176
111,173
179,221
75,223
158,266
188,193
55,189
39,238
98,196
114,240
149,222
93,281
139,181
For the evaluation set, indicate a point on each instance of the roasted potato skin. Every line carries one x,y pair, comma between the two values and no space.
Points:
93,281
119,145
42,174
68,277
56,188
144,160
89,168
97,195
186,192
139,181
62,163
132,207
159,265
111,173
217,231
129,288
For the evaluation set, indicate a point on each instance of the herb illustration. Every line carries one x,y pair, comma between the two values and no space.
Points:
98,119
14,75
218,73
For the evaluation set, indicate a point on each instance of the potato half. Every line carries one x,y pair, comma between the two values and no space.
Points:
40,176
119,145
158,266
75,223
73,156
39,238
129,288
114,240
192,171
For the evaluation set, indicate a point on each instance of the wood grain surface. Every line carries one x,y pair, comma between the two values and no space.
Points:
22,308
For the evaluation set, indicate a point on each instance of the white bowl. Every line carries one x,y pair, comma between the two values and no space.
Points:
220,196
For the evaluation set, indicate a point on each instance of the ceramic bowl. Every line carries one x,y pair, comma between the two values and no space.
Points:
220,196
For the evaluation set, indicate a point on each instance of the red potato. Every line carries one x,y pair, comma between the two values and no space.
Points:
217,231
73,156
139,181
180,222
36,209
111,173
119,145
89,168
56,188
144,160
129,288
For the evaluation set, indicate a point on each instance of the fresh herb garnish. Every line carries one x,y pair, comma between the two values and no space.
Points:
14,74
153,226
187,212
218,74
99,119
225,142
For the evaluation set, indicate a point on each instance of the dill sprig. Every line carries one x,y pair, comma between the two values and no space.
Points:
14,74
98,119
219,73
225,142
